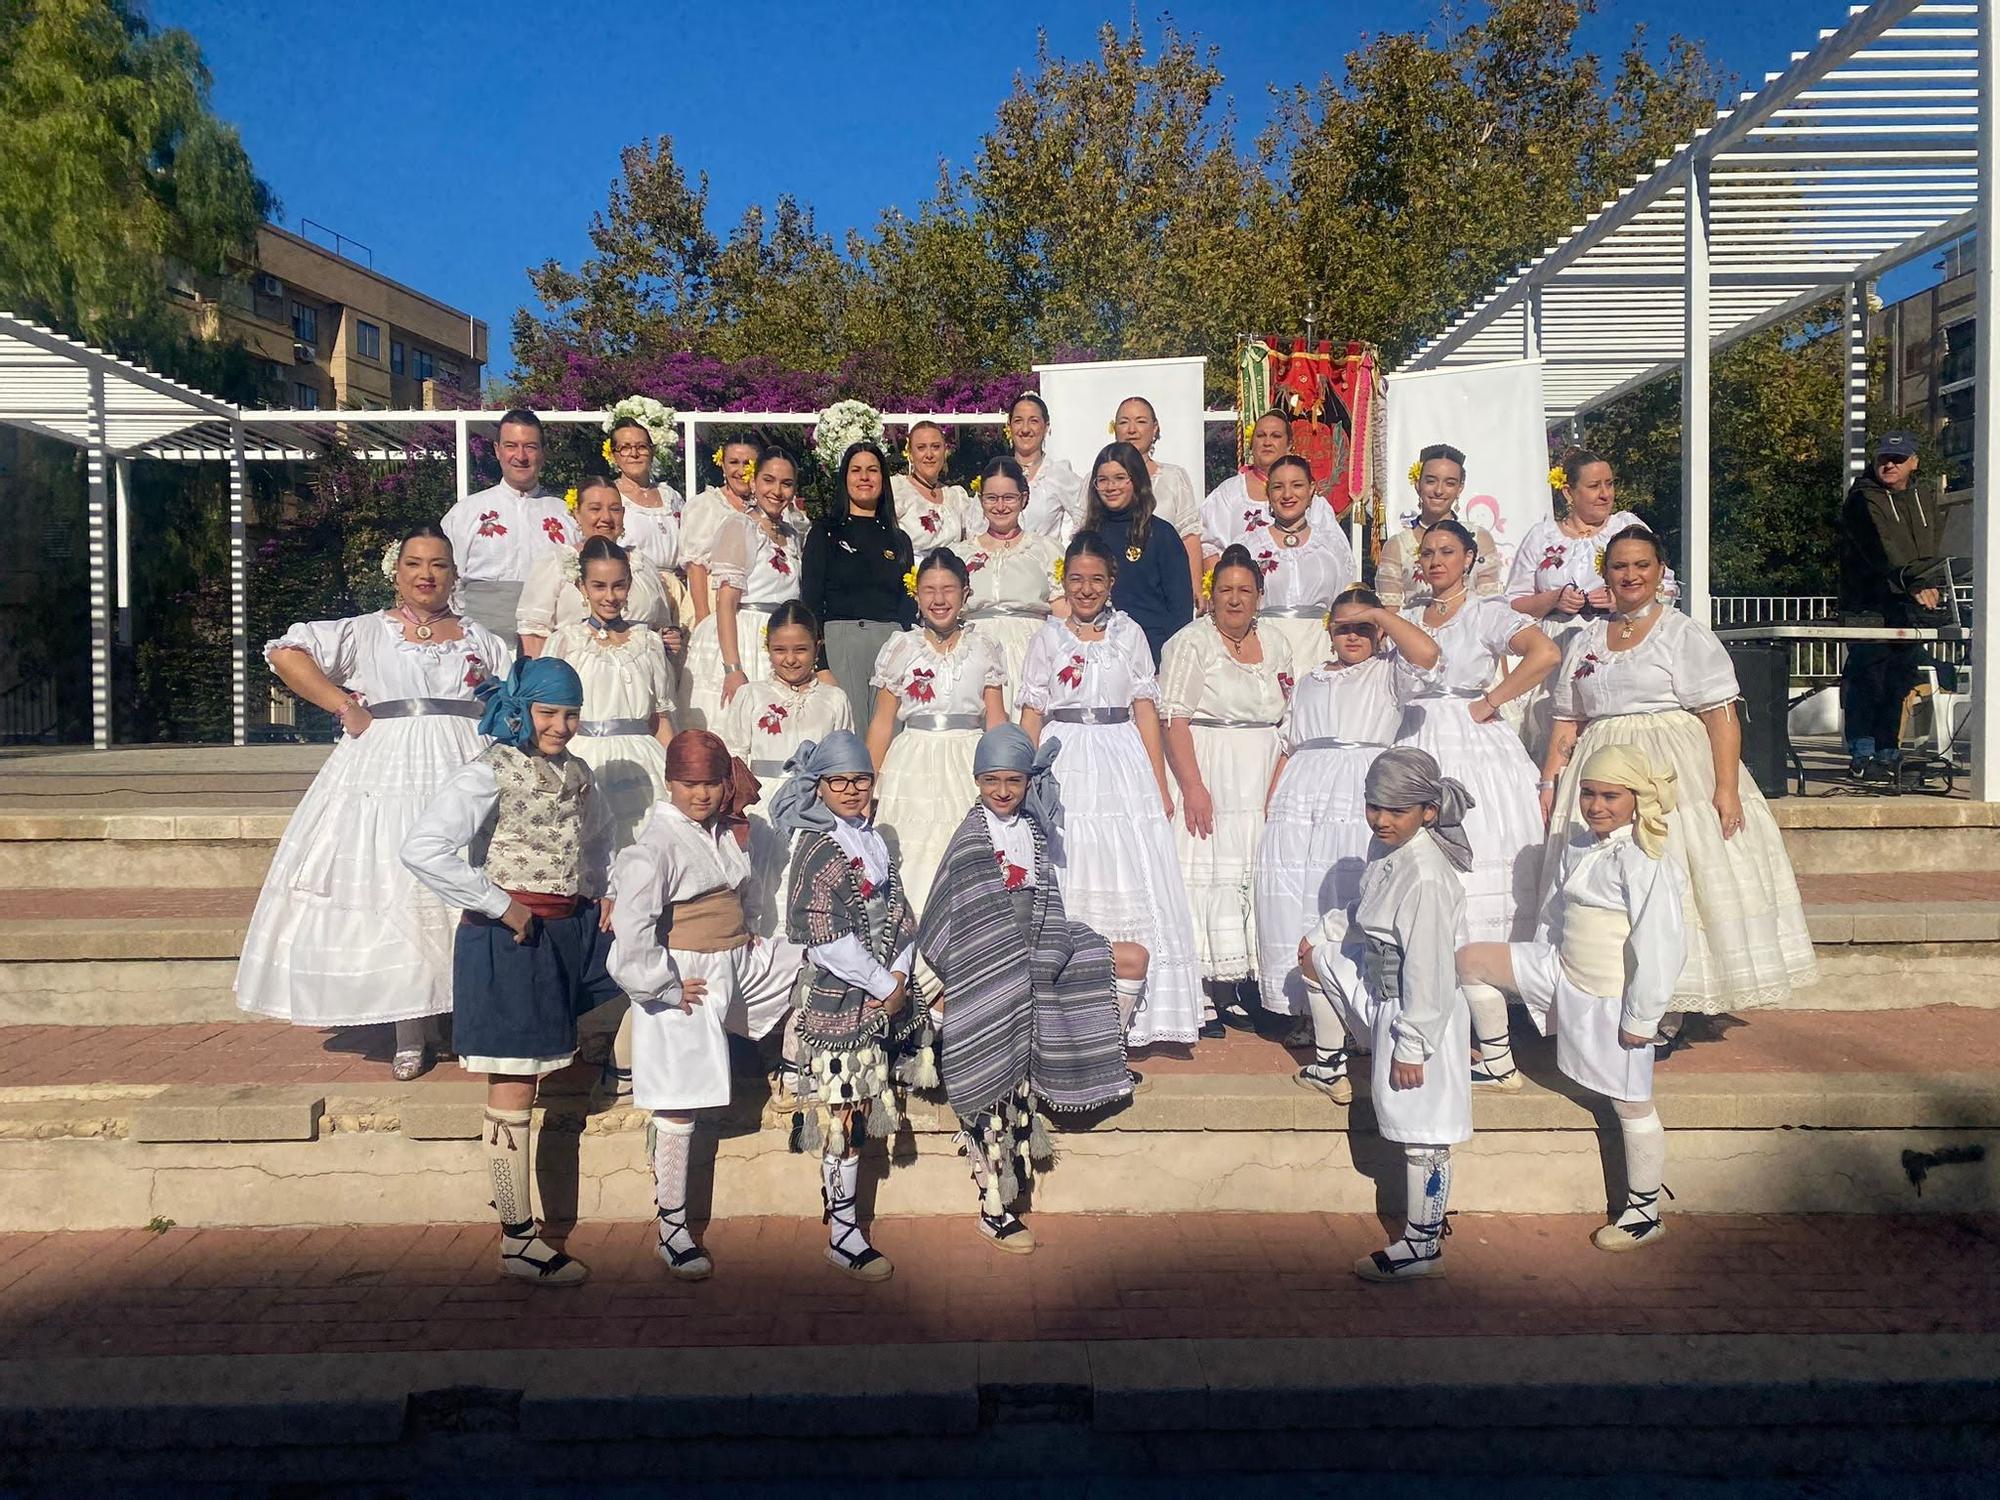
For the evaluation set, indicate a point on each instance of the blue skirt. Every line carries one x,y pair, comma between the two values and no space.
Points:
514,999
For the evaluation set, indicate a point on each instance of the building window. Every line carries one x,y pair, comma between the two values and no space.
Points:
396,356
1961,348
367,339
305,323
426,367
305,397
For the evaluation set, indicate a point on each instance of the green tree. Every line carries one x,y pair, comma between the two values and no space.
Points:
1777,460
112,164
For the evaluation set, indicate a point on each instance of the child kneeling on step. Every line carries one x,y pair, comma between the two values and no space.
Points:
529,958
682,952
1617,941
1390,964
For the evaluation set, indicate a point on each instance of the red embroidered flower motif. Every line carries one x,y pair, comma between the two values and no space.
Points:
780,564
975,562
772,720
920,687
1553,556
1013,877
1584,668
1254,517
1285,685
928,520
553,530
1073,673
1268,560
489,524
475,670
867,885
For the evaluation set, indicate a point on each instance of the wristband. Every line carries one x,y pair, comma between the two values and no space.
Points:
1545,786
729,666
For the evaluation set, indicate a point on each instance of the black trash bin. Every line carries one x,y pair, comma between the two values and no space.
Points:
1764,672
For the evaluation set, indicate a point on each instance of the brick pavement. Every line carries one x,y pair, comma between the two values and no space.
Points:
435,1287
1934,1039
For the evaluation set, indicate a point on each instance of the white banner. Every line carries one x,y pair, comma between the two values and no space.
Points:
1084,398
1493,413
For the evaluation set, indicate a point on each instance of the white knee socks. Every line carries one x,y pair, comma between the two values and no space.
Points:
1129,992
1489,1030
1427,1189
507,1141
1329,1031
1645,1164
672,1141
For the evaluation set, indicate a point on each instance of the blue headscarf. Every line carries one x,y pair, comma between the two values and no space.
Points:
796,805
535,679
1006,747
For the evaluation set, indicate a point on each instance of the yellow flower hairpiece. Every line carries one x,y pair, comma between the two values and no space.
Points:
749,469
910,583
1208,581
1111,427
569,499
1417,472
1058,570
974,486
1558,478
717,455
1007,433
607,450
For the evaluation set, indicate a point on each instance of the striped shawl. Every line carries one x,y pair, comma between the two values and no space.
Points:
824,904
1037,1006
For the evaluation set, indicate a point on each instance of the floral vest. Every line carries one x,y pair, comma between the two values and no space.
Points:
537,841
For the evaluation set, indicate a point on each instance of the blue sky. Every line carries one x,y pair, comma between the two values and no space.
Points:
463,144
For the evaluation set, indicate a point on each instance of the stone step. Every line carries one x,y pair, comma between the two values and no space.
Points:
1830,835
260,1124
154,956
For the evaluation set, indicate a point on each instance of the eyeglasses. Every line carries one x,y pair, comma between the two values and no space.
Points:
633,450
844,784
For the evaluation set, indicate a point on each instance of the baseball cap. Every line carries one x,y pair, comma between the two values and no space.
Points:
1896,444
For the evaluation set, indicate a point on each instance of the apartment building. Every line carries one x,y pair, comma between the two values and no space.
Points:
332,332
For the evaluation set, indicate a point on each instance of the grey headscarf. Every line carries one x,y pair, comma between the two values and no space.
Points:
1409,777
1006,747
796,805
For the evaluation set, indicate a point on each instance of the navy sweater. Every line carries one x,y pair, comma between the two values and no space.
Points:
1155,591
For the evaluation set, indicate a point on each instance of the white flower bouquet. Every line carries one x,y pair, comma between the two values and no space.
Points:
841,426
662,423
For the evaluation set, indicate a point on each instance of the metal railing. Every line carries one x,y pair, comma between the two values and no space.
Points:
1812,661
28,710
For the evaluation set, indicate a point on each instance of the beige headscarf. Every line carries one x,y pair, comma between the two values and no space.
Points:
1628,766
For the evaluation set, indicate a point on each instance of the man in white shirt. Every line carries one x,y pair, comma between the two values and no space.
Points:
498,534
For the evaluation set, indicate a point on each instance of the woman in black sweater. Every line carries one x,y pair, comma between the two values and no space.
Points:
1152,586
852,573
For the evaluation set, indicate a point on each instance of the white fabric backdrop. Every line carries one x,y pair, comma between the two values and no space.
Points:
1493,413
1084,398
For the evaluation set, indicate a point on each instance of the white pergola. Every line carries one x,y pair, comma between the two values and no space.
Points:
1869,150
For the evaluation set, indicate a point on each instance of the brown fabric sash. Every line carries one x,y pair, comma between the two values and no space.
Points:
710,923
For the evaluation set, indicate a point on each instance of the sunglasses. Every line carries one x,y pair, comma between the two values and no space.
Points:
1353,627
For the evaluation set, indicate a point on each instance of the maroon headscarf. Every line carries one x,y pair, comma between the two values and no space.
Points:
698,755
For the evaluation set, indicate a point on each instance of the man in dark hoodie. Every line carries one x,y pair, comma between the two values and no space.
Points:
1893,572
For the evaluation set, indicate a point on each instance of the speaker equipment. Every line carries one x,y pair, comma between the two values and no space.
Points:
1764,672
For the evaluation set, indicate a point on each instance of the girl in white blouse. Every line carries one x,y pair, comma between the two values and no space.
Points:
1223,689
1055,490
1439,480
1651,677
753,567
553,594
1088,682
1343,713
1305,563
1240,504
932,513
1015,574
1614,943
1453,711
1176,501
937,690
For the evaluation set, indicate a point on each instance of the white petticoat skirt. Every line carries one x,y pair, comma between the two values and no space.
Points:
630,771
343,935
1747,944
925,789
1586,1025
680,1059
1119,874
1504,827
1314,848
704,661
1236,766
